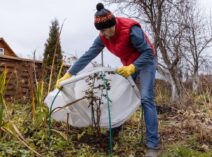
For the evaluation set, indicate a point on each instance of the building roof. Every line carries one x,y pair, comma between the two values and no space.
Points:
2,39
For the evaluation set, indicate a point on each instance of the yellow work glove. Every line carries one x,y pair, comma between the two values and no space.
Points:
126,71
65,77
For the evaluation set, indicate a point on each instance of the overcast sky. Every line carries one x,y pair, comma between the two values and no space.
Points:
24,24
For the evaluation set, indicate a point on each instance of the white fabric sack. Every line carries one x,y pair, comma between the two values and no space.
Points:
123,94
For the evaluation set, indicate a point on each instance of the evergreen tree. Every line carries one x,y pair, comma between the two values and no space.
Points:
52,47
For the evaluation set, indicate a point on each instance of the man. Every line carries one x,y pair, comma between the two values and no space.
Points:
124,38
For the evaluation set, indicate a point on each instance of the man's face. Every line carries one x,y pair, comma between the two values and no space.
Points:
108,32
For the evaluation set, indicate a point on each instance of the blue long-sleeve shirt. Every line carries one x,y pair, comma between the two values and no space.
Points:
137,39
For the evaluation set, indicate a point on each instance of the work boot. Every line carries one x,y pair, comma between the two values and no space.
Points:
152,153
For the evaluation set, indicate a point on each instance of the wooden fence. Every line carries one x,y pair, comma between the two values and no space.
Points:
20,76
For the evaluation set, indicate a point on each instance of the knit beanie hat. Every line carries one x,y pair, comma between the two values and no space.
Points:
103,18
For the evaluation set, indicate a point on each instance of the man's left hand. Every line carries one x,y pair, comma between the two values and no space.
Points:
126,71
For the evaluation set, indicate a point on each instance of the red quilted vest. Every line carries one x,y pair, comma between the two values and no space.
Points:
120,44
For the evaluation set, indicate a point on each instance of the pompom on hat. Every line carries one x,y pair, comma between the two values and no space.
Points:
103,18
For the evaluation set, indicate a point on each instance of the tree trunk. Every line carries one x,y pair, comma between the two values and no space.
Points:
195,81
175,91
175,95
176,85
173,79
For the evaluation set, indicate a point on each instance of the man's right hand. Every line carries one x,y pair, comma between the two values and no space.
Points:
65,77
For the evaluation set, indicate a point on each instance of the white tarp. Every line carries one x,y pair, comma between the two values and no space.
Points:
123,94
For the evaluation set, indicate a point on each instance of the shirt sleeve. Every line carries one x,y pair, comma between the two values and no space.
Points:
86,58
139,41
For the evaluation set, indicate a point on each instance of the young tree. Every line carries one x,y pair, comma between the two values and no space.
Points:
52,54
197,39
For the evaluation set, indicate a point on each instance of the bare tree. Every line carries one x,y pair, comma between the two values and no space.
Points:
198,38
165,18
